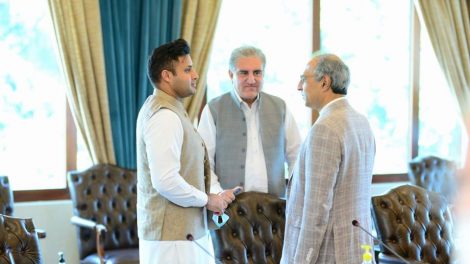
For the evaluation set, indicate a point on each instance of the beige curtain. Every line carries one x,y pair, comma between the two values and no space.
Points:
198,27
447,23
78,30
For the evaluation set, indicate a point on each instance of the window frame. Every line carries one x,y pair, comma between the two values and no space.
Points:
71,160
414,85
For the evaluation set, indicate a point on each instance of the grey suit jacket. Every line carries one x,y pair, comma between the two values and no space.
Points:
331,186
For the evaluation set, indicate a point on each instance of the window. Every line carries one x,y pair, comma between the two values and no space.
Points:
375,43
379,56
441,130
33,137
284,35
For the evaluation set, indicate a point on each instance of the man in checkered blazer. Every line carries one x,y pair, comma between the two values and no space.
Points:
331,182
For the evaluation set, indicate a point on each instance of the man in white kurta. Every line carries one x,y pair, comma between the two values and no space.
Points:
254,151
164,151
173,190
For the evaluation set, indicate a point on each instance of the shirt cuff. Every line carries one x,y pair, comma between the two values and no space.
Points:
201,197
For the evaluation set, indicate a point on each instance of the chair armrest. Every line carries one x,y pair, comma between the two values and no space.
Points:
41,233
100,230
82,222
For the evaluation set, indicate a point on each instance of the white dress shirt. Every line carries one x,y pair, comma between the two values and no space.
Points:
163,147
256,178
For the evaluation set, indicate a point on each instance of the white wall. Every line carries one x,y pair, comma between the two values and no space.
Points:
54,218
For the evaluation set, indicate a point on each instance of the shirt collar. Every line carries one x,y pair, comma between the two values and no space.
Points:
240,100
161,94
330,103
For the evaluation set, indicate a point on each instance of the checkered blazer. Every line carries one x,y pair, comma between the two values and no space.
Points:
331,186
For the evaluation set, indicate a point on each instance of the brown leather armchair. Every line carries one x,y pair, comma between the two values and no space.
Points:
104,207
19,241
434,174
255,231
415,223
6,196
7,202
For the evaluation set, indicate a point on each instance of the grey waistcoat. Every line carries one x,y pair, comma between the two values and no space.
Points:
231,140
157,217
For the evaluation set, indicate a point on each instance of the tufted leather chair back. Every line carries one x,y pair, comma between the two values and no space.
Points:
255,231
19,236
6,196
434,174
414,222
105,194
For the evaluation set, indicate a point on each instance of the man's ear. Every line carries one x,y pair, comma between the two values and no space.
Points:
326,82
230,74
166,75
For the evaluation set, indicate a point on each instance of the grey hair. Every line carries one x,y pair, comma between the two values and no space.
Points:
336,69
243,52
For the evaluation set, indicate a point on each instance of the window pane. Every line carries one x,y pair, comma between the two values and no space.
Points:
283,33
373,37
32,98
441,131
83,158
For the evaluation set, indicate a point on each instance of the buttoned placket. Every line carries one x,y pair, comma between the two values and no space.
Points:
252,126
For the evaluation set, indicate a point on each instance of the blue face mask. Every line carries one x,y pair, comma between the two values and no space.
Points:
220,220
